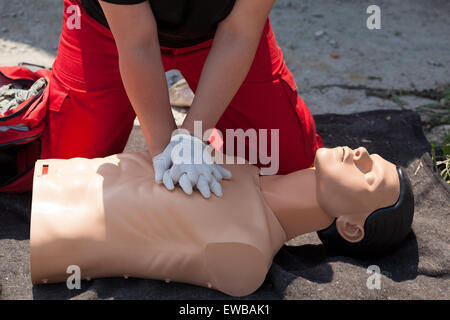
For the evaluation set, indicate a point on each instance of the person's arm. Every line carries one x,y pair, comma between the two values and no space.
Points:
228,62
135,33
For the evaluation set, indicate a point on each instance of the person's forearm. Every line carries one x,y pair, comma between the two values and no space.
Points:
145,83
225,69
229,61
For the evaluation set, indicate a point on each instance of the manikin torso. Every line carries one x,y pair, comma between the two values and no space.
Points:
90,214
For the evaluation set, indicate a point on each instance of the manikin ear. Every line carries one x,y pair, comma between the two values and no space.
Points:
350,231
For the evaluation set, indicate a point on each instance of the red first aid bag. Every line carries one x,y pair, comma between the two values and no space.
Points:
21,128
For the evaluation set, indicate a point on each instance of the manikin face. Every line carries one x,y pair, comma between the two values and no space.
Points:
351,184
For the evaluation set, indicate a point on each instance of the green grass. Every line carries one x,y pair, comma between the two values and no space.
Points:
439,114
441,157
445,166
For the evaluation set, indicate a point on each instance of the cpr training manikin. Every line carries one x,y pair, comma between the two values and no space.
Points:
108,217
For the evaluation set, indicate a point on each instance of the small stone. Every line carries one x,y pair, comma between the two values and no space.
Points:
209,285
434,63
319,34
44,280
181,95
333,43
4,29
167,280
126,276
173,76
14,15
334,56
374,78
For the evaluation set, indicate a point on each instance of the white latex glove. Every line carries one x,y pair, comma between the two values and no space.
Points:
162,162
187,161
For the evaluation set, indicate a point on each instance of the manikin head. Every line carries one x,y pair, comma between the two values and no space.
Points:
370,198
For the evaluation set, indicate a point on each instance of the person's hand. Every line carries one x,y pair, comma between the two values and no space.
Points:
162,162
190,165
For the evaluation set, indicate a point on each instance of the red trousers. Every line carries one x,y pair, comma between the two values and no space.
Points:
91,116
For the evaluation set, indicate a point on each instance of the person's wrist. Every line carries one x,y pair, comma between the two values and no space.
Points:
156,142
156,150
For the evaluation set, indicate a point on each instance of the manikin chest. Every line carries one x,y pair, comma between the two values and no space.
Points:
108,217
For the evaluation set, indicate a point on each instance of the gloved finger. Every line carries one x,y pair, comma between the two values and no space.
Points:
167,179
193,175
226,174
203,186
176,172
206,172
159,173
216,188
159,165
216,173
185,184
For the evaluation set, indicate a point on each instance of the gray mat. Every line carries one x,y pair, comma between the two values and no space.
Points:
303,269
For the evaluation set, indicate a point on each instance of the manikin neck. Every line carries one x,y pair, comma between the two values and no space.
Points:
293,199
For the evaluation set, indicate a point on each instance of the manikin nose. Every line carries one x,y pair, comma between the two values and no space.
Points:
360,153
361,156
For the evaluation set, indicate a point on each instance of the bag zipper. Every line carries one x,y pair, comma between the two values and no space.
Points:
20,140
27,81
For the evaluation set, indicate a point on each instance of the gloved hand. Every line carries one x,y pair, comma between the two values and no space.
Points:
187,161
163,161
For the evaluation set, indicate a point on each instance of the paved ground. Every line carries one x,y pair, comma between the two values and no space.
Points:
409,53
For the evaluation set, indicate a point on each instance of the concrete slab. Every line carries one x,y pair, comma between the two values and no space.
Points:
409,52
325,43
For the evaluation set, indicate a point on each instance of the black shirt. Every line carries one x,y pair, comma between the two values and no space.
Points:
181,23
